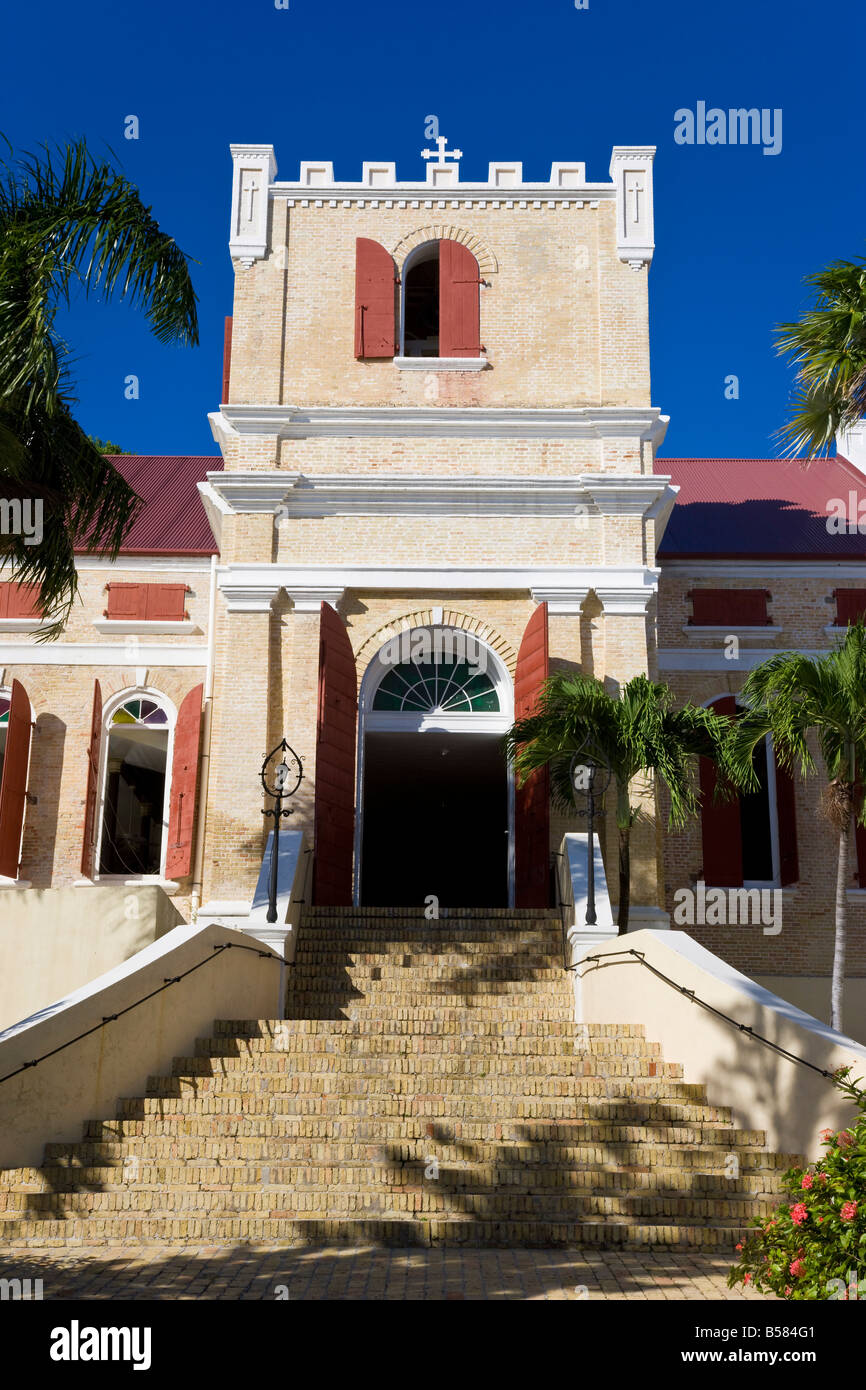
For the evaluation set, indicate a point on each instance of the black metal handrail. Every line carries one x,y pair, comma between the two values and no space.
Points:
710,1008
110,1018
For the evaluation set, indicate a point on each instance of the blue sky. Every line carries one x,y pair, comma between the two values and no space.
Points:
736,230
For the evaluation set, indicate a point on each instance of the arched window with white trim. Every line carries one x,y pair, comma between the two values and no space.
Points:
135,797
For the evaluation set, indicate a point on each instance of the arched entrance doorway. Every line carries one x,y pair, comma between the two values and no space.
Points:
435,796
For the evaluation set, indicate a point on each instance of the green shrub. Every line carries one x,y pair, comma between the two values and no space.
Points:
814,1246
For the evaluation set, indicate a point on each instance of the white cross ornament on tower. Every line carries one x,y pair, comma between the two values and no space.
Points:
441,154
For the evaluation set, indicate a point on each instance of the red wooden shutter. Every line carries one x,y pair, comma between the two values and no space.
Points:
20,601
13,786
165,602
335,763
532,800
850,605
786,817
744,607
459,320
127,601
227,360
720,821
375,300
88,848
184,779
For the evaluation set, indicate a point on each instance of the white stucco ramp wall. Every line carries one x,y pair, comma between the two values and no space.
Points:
84,1079
765,1090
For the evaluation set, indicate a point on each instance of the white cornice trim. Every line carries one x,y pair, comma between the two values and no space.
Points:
309,599
562,599
249,596
775,569
440,422
290,495
744,634
419,192
441,364
147,654
630,581
624,601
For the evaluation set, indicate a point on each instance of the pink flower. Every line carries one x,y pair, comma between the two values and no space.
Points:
746,1278
849,1211
787,1289
826,1133
739,1247
808,1181
799,1213
822,1177
845,1139
797,1268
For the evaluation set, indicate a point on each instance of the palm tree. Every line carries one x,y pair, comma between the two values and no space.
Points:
793,696
634,732
827,345
67,223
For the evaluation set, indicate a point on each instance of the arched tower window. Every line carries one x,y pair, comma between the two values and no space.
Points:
134,806
421,303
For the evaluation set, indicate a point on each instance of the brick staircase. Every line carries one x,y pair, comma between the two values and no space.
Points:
429,1086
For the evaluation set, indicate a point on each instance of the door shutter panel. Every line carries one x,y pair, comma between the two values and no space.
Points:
19,601
459,320
227,361
88,849
165,602
720,822
127,601
184,779
850,605
743,607
375,300
335,763
532,800
786,816
13,786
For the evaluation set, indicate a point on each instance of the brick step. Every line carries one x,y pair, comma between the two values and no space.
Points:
517,1169
524,1078
261,1053
450,1108
324,1010
486,969
482,1058
288,1029
245,1126
432,1198
419,955
374,996
495,917
450,1232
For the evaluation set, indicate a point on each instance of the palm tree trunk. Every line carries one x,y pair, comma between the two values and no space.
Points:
624,879
840,942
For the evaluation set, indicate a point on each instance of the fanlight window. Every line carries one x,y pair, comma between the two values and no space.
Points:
451,687
138,712
135,789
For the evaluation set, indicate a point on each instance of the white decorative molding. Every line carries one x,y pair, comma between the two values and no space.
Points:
741,566
309,598
121,626
633,584
33,624
145,563
562,599
623,601
378,174
254,168
441,364
565,175
288,495
101,654
505,175
631,171
618,422
316,173
250,597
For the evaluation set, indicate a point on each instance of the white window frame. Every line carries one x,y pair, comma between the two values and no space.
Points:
399,721
109,709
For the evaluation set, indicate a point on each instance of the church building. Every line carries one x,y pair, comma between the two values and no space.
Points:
438,480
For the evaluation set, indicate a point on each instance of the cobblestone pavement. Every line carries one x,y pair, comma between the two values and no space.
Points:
371,1273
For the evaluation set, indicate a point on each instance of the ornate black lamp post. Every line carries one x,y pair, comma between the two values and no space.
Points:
279,781
589,773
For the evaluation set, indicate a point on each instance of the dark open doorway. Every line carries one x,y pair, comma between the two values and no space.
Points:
435,820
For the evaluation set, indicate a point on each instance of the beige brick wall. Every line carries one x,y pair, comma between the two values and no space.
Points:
563,320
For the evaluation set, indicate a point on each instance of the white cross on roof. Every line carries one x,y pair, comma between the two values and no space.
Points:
442,153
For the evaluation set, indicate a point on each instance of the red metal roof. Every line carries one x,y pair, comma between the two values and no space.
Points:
172,520
770,509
